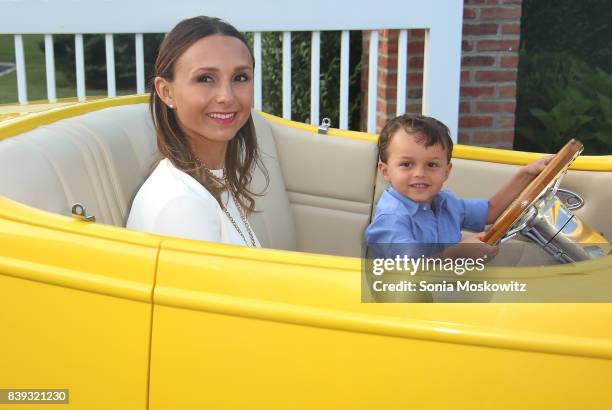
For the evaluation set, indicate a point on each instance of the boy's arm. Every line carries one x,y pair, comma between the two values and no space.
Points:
500,201
472,246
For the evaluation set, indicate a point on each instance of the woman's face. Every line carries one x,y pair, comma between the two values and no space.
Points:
212,90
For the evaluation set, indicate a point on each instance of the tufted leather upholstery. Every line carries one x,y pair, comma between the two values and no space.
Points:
100,159
319,198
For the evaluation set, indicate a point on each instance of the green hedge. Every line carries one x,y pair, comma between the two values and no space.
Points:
329,101
561,97
564,79
95,58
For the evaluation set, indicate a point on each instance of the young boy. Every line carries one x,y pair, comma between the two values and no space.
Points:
415,158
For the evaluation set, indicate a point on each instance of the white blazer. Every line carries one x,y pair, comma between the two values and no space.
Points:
171,202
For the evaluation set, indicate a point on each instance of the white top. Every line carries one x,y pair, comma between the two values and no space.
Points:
171,202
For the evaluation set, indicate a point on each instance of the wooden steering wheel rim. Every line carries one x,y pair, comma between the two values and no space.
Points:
554,170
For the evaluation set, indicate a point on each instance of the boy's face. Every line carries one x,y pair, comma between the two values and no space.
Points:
412,169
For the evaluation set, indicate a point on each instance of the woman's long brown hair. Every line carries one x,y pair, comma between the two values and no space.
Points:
242,154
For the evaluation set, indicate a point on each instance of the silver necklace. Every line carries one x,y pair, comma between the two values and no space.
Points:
227,213
244,220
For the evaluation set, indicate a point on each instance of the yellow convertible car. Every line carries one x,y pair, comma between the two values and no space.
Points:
119,319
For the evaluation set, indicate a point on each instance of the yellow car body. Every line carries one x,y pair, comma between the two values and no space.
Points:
130,320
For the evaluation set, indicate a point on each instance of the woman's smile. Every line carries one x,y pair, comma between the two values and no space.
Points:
222,117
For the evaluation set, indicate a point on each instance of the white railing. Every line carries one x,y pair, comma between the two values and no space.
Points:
441,19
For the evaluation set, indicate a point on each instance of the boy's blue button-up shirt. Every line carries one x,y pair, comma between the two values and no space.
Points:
399,219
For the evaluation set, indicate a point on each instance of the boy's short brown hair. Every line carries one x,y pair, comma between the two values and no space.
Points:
433,131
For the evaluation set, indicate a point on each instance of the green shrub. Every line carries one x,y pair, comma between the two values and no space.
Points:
580,28
560,97
564,81
329,101
95,58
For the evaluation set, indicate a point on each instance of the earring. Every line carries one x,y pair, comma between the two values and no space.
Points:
171,106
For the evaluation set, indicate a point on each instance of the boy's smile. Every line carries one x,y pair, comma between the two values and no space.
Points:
413,170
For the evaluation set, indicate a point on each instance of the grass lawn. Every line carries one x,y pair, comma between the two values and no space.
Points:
35,72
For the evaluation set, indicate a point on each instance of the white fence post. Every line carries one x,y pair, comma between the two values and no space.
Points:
344,78
402,63
50,68
287,75
22,86
79,56
258,73
110,66
140,66
372,81
315,73
442,67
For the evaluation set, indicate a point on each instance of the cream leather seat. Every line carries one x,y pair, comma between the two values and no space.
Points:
100,159
319,198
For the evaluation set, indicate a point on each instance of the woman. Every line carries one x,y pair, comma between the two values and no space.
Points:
201,102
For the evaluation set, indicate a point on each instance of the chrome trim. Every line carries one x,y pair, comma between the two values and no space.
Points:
80,212
325,124
554,228
520,224
570,199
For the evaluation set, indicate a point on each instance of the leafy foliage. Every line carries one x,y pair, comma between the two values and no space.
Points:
560,98
564,79
580,28
329,105
95,58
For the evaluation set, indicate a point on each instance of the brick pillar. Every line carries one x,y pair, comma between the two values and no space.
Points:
414,94
489,65
387,75
491,31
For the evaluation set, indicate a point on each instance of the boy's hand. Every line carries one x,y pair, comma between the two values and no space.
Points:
472,247
474,238
478,249
534,168
504,197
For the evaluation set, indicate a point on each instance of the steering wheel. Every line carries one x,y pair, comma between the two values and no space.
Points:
544,185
